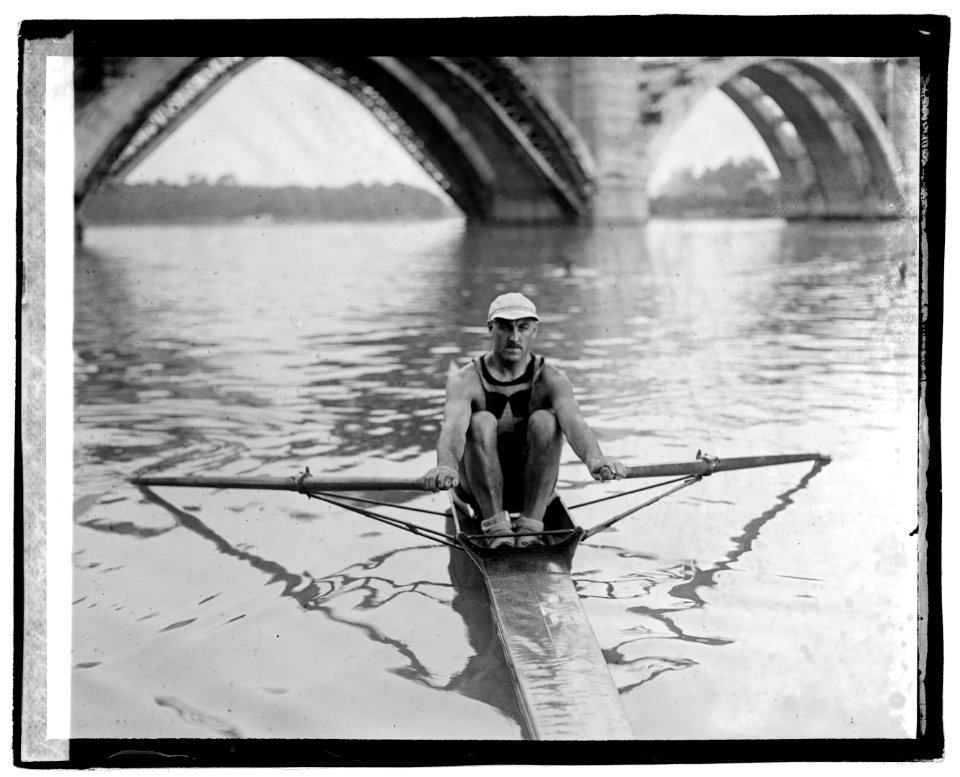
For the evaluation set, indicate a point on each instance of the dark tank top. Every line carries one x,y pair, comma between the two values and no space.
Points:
511,402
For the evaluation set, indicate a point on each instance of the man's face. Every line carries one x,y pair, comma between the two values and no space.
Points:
511,339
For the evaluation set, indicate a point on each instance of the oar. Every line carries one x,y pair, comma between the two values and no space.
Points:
707,465
302,484
309,483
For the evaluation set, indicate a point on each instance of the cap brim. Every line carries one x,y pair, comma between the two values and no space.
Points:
513,314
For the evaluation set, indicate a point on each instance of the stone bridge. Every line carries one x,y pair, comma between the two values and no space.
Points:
557,139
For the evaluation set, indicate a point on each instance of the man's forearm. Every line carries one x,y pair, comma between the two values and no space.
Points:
448,452
583,441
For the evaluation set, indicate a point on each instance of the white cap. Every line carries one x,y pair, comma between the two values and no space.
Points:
512,306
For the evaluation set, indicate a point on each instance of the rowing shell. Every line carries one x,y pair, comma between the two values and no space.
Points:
562,683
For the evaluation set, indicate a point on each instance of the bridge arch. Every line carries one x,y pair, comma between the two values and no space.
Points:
835,156
478,125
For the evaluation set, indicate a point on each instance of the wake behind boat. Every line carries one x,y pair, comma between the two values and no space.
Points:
563,687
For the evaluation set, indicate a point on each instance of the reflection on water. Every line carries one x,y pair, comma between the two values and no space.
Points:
262,349
194,717
685,594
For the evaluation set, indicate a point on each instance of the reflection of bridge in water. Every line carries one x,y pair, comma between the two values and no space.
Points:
558,139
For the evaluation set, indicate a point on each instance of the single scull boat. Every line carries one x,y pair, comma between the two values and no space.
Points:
563,687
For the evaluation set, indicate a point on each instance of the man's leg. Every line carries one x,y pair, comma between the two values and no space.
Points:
484,478
544,446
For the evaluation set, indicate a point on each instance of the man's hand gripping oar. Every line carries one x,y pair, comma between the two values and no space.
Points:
606,468
440,479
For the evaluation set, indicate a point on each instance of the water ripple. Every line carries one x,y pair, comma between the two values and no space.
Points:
329,345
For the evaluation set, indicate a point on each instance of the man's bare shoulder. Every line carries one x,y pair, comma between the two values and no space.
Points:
462,380
465,372
553,376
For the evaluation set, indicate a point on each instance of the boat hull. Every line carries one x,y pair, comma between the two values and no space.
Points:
563,687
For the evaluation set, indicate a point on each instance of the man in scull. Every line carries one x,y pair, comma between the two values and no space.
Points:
505,418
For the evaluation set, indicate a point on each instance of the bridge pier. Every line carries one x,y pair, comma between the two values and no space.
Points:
513,208
600,96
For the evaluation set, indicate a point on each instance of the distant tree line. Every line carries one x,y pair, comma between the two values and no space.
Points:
200,201
736,188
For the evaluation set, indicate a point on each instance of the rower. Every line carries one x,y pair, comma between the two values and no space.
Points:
504,421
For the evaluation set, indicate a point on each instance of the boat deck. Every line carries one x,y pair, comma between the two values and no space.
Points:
563,686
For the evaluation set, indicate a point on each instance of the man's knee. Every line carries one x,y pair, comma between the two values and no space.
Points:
483,428
543,428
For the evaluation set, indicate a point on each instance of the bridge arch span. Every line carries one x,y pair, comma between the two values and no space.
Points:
835,156
479,126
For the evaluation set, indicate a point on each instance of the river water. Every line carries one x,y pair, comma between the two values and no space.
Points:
772,603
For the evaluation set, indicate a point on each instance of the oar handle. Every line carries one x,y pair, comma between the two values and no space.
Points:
707,466
307,484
